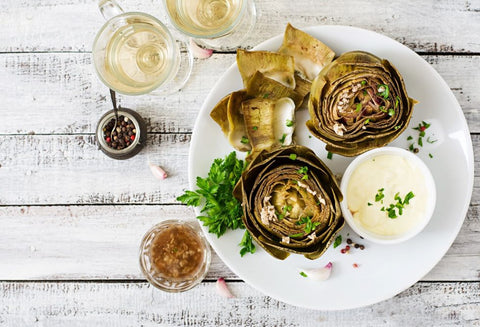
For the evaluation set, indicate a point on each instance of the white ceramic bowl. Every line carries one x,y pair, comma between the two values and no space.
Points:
431,197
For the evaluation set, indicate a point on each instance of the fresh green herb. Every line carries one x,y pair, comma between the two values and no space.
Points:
411,147
289,123
396,209
266,95
247,244
420,141
396,127
365,92
244,140
367,121
221,211
282,140
255,128
369,204
397,100
293,156
409,138
302,170
363,82
385,91
421,128
391,112
379,196
430,155
329,155
309,136
359,107
338,241
303,274
382,109
309,224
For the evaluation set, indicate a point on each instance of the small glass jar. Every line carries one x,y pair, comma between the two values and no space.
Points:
130,147
174,255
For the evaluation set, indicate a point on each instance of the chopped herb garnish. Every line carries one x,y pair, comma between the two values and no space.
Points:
391,112
293,156
363,82
329,155
430,155
420,141
411,147
338,241
367,121
397,100
289,123
396,127
359,107
282,140
382,109
379,196
247,244
396,209
244,140
309,224
255,128
409,138
303,274
385,91
302,170
266,95
369,204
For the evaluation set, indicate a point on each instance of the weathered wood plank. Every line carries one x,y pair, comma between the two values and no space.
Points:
139,304
424,26
68,169
59,93
101,242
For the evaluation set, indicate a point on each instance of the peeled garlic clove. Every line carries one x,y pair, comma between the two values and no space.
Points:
199,52
222,288
319,273
157,171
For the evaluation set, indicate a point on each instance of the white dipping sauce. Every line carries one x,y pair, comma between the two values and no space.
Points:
395,174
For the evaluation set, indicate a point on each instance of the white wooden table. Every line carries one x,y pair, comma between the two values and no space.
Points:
71,218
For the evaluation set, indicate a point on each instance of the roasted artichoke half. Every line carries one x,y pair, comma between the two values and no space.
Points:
291,202
358,102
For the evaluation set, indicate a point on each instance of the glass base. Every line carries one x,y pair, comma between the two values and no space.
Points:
183,74
237,36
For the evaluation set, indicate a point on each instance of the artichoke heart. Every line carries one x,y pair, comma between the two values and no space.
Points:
310,54
277,66
291,202
358,102
269,123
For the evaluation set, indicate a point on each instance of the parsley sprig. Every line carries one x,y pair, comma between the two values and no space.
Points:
221,211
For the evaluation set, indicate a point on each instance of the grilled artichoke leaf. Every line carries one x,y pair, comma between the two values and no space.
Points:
219,114
310,54
263,87
237,134
277,66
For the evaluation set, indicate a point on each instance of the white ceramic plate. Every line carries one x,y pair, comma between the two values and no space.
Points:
384,270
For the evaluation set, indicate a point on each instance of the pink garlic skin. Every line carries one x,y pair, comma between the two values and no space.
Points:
199,52
157,171
222,288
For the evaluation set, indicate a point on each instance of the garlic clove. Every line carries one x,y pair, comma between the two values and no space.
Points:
318,274
157,171
222,288
199,52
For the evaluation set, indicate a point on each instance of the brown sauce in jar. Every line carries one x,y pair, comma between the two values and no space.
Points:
177,252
